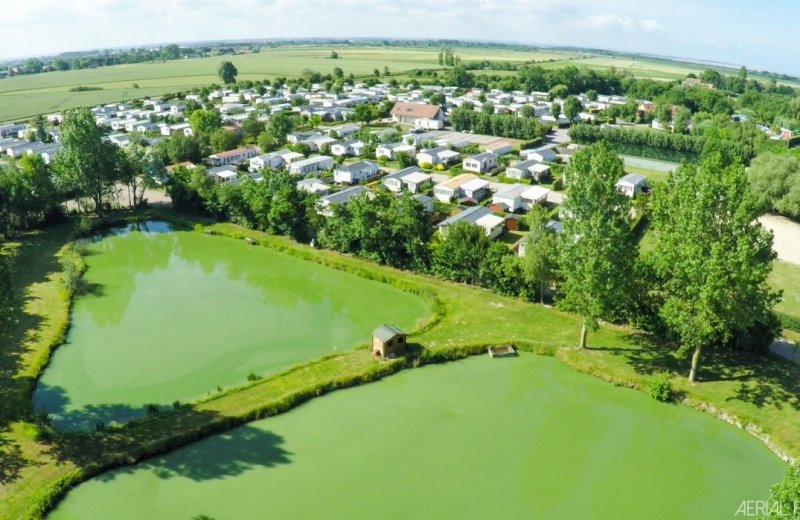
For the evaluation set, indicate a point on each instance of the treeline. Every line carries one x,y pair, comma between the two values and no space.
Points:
29,196
389,230
107,59
466,119
776,182
627,140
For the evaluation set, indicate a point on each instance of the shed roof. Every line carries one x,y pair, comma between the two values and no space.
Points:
633,179
386,332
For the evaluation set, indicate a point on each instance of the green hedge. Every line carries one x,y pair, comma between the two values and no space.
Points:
789,321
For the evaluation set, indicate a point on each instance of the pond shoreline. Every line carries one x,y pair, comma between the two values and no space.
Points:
145,438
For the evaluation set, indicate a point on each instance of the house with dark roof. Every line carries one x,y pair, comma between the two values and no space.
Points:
341,197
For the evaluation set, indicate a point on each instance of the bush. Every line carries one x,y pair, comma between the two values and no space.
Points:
84,89
425,165
661,388
789,322
252,376
439,167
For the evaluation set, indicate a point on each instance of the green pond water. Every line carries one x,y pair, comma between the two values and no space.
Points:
514,438
171,315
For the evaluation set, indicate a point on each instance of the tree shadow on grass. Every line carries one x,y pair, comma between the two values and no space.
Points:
773,382
34,264
11,460
764,380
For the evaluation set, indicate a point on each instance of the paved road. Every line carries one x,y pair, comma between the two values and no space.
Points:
557,136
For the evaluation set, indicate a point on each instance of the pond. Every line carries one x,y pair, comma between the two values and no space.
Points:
520,437
170,315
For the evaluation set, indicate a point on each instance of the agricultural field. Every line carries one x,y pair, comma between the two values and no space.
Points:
25,96
641,68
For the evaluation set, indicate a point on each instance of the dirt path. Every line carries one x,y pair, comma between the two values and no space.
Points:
787,237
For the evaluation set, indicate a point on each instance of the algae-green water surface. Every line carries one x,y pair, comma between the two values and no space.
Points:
479,438
171,315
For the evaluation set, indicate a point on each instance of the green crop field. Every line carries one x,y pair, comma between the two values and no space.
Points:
25,96
639,68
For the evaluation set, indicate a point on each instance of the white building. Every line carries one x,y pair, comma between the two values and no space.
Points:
236,156
411,178
311,165
355,172
481,163
451,189
632,184
476,189
510,196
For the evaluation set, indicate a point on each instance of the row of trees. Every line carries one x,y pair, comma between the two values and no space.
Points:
633,140
389,230
88,167
105,59
28,196
776,182
704,284
466,119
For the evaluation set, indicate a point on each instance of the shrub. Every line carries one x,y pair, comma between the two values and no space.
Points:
425,165
252,376
440,167
661,388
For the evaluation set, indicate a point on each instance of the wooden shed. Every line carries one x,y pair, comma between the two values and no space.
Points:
388,341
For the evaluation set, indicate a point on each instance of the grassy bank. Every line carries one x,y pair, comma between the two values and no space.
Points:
37,469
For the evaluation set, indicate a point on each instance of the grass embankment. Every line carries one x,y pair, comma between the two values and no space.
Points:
36,472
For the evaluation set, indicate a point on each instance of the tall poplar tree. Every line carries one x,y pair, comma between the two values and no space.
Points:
596,250
711,256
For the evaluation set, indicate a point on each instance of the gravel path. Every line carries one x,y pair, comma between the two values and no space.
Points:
787,237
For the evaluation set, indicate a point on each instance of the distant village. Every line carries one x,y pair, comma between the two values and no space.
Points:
485,180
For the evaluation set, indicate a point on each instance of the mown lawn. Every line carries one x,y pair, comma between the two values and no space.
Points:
786,276
761,390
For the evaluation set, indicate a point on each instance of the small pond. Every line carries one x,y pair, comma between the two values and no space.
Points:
172,315
521,437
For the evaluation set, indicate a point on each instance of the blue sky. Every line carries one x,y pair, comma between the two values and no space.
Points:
760,35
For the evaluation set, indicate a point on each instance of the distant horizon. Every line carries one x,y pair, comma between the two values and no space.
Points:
372,39
724,31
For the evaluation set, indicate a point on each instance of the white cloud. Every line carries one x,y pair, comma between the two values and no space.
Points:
39,27
649,25
607,22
